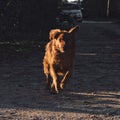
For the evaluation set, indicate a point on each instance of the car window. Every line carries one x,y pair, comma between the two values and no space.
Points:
71,6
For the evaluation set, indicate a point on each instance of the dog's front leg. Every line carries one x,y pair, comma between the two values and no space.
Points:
54,76
65,79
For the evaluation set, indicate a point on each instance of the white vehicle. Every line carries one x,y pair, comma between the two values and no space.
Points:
71,11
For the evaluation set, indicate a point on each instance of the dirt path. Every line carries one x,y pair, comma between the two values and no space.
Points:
92,94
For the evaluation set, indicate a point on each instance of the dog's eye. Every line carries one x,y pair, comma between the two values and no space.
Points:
60,40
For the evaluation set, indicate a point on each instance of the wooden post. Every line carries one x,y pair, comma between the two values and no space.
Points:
108,7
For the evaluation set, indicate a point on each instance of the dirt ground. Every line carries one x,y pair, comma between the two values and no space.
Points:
92,94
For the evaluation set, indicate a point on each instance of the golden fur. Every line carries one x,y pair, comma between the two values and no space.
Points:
59,57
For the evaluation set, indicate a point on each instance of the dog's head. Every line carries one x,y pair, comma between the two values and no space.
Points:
63,39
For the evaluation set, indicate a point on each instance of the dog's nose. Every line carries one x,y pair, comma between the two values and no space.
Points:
62,49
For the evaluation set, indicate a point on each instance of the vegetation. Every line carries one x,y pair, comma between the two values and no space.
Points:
26,15
25,21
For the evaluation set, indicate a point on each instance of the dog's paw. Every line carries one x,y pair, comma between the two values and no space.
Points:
61,86
53,91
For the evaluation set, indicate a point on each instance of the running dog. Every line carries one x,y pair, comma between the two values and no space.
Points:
59,58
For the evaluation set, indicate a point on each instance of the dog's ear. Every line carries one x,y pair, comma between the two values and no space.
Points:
53,34
74,29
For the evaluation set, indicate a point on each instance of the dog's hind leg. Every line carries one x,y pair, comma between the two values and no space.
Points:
65,79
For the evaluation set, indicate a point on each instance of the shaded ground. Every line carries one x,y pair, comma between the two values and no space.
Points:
92,94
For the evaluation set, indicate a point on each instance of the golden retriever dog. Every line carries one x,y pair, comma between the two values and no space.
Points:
59,58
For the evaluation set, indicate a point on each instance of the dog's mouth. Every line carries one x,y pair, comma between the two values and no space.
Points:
62,50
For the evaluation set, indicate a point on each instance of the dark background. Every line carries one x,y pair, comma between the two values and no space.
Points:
34,15
24,24
94,9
